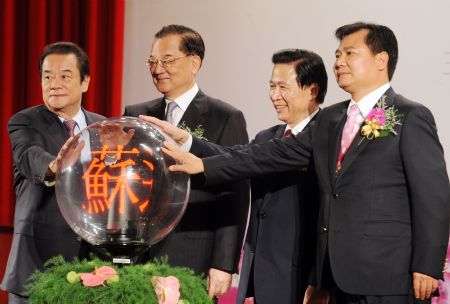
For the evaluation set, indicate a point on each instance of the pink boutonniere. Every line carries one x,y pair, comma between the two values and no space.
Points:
167,289
381,121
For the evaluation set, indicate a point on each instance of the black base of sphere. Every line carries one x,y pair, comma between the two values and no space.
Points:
120,253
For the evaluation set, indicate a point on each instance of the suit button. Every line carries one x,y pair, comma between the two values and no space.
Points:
336,195
262,215
324,229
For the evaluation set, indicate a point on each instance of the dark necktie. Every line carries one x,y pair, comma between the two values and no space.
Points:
70,125
287,133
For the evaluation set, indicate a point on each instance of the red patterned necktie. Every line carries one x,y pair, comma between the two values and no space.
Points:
354,119
287,133
70,125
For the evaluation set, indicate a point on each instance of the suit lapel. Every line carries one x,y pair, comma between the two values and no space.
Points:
157,109
54,126
94,137
360,142
89,118
195,114
337,122
278,132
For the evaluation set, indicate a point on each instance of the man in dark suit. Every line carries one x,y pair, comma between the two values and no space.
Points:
209,237
384,195
284,206
37,135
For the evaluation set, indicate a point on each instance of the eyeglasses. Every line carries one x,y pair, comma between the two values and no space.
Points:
165,63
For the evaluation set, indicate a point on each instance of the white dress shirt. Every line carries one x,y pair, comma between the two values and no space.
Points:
183,101
367,103
302,124
80,118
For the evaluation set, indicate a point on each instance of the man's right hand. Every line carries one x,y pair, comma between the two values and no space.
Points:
179,135
75,152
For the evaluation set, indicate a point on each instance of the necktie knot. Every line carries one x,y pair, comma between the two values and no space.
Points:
354,111
70,125
171,112
287,133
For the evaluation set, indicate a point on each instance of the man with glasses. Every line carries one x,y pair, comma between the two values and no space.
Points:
283,205
209,237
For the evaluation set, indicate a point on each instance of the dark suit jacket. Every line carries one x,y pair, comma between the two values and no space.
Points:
280,242
385,215
211,232
40,231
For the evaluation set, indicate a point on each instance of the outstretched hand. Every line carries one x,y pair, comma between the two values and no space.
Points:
113,135
74,148
186,162
179,135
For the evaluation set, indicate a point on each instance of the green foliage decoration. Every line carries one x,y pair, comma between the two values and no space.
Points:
51,286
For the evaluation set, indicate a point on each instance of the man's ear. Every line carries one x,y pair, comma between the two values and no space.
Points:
382,60
196,64
85,83
314,90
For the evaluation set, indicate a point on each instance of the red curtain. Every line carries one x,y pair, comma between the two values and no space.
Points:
26,26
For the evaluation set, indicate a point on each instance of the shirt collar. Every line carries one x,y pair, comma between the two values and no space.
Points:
302,124
367,103
80,119
185,99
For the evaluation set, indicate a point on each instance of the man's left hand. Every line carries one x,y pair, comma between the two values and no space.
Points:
219,282
113,135
424,285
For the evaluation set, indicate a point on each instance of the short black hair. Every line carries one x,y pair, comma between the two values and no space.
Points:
65,48
379,39
309,68
191,41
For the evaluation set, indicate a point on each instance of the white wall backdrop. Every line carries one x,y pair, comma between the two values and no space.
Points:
242,35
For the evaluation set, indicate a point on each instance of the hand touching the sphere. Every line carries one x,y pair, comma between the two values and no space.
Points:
113,135
186,162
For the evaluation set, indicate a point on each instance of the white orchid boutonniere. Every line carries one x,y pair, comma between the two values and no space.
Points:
197,132
381,121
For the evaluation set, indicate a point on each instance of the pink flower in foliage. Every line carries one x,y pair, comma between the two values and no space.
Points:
444,286
98,276
444,291
378,114
167,289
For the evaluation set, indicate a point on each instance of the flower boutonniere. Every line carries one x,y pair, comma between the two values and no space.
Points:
197,132
381,121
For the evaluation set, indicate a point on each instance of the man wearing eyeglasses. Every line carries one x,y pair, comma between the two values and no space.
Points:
209,237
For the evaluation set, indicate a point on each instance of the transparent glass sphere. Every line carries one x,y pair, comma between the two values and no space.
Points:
113,185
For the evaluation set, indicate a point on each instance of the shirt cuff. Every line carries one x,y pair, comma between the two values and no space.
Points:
187,145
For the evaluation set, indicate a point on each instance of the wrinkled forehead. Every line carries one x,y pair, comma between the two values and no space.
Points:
60,63
166,46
